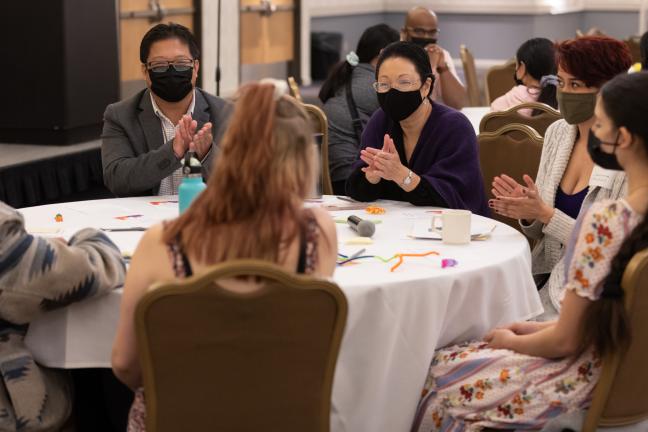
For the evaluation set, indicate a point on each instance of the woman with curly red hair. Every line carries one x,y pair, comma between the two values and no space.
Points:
253,208
567,179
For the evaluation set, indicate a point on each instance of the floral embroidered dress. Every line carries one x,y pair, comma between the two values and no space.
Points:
470,386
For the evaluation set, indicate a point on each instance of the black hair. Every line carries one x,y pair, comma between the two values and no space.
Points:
643,50
625,101
371,42
412,52
168,31
539,58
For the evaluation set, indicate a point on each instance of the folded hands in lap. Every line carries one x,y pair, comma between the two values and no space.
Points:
500,337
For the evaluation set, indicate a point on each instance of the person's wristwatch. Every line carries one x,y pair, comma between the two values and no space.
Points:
408,180
441,69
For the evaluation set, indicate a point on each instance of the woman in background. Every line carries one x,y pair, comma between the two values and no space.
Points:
530,372
535,77
567,179
253,209
349,100
414,149
641,65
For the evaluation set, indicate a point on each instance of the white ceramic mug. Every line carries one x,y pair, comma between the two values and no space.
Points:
456,226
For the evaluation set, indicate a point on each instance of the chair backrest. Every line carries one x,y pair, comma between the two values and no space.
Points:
617,398
496,120
514,150
592,31
213,359
499,80
320,127
633,43
294,88
470,73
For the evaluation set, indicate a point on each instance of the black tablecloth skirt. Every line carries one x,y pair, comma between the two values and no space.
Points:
66,178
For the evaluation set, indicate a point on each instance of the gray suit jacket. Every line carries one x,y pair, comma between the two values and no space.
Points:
134,155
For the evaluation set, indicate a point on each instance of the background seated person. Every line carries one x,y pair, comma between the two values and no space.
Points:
38,275
530,372
643,53
567,179
535,76
350,83
413,149
422,28
253,208
145,137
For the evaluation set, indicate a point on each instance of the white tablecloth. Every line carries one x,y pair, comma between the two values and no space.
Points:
395,322
475,114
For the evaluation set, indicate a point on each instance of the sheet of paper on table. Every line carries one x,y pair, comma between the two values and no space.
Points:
422,229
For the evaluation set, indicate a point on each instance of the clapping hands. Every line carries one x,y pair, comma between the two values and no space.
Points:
186,137
384,163
519,202
436,55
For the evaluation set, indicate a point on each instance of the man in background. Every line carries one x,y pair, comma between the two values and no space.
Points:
422,28
145,138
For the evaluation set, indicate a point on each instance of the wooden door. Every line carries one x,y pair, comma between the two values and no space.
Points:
136,18
269,40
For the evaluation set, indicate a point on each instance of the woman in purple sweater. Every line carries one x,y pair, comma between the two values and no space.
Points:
413,149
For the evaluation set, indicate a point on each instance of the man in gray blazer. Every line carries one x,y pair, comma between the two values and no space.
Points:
145,137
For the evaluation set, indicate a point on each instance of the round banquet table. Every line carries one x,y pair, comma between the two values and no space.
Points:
396,318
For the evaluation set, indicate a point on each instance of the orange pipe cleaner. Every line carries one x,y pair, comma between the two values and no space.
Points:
400,258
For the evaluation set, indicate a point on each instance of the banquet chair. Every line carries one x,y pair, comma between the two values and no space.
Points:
470,73
514,150
617,399
214,359
294,88
320,127
633,44
540,122
592,31
499,80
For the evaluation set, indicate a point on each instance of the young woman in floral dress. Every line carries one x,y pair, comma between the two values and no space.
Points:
527,373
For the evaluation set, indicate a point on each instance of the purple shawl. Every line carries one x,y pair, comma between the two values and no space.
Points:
446,155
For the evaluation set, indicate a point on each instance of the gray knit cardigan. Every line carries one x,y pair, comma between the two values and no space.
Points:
551,238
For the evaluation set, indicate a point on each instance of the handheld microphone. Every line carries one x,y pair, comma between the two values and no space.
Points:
363,227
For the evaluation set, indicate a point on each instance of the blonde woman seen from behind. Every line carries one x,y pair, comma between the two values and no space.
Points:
253,208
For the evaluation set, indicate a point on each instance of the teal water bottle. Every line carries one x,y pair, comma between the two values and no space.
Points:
192,183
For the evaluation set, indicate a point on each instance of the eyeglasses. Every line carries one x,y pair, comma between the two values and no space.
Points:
421,32
403,85
181,65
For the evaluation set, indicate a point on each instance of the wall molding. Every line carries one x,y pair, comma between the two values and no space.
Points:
348,7
507,7
619,5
